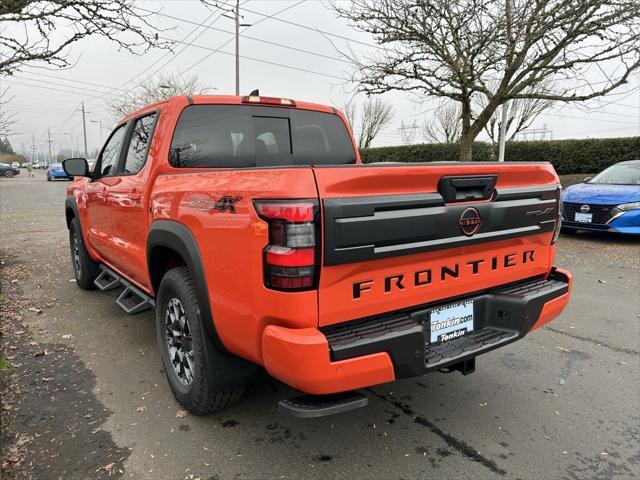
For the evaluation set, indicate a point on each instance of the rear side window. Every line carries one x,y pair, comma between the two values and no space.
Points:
236,136
139,144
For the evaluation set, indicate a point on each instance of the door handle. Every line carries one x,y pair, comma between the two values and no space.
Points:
134,195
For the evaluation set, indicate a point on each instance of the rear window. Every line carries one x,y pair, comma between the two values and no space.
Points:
236,136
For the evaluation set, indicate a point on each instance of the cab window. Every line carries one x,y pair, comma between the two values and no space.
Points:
236,136
139,144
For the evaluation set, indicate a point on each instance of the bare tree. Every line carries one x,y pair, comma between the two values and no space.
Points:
454,49
40,32
155,90
521,114
374,116
6,119
445,126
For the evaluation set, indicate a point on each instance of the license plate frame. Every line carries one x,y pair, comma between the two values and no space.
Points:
451,321
581,217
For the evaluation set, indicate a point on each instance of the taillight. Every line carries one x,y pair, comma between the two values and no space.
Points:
290,258
556,233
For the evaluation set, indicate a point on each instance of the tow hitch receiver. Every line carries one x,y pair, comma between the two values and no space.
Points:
314,406
465,367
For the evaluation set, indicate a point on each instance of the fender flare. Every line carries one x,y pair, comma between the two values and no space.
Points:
70,204
177,237
230,369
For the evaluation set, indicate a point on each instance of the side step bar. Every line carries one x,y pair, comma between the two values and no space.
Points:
107,280
314,406
132,300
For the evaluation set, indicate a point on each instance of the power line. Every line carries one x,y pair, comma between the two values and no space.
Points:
34,109
268,42
92,91
53,89
261,60
229,41
548,115
317,30
55,77
126,83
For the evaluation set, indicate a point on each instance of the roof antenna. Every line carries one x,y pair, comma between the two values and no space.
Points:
255,93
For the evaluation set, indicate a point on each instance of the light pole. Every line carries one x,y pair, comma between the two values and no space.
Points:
100,123
71,140
84,130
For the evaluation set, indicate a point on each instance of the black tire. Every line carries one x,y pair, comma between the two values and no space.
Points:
193,385
48,178
8,174
84,268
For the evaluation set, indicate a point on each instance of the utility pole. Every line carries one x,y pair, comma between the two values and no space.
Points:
84,129
33,146
503,131
237,15
236,18
49,142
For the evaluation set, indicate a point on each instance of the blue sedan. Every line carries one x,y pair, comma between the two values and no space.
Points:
55,171
610,201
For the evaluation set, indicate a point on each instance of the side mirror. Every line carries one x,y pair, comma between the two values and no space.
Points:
587,179
76,167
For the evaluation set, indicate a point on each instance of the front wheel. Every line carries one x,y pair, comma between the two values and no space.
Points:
8,174
84,268
48,178
182,343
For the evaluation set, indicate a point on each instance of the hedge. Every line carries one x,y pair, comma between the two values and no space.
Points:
426,152
567,156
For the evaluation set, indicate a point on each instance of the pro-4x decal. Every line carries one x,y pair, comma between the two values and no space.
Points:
203,202
226,203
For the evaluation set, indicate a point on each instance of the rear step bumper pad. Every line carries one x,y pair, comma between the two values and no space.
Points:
368,352
501,316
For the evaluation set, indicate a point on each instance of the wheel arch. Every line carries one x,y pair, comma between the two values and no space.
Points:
167,237
70,210
173,238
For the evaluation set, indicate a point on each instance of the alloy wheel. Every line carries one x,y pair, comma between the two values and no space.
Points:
179,342
76,254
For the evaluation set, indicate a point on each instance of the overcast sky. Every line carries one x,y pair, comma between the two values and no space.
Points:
43,99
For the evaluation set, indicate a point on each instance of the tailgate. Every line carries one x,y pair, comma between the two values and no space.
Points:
397,236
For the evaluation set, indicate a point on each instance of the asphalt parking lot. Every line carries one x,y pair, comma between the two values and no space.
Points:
563,403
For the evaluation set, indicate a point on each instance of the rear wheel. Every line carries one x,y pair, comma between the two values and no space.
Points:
48,178
8,174
84,268
182,343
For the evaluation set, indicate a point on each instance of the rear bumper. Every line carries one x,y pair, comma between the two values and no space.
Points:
377,350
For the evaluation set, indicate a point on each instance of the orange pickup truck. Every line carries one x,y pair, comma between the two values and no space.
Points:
253,229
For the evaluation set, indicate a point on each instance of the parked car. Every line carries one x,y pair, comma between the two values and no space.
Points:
39,165
7,170
610,201
56,171
15,164
253,229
